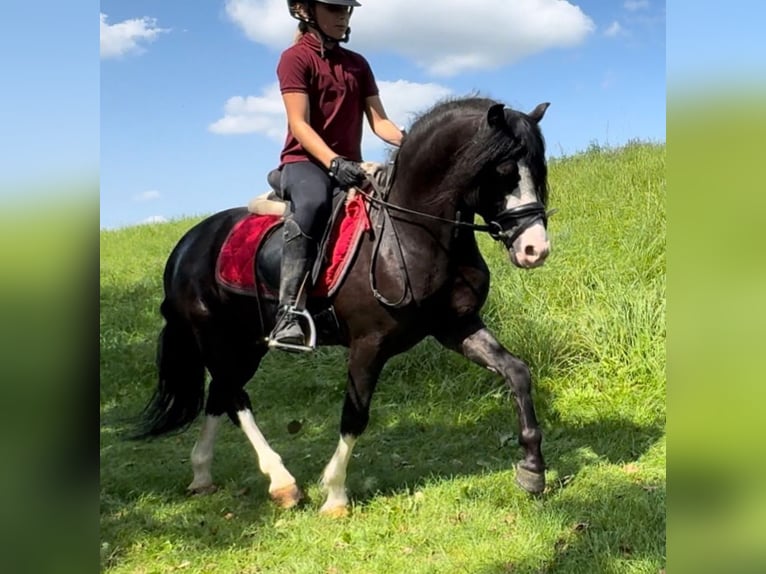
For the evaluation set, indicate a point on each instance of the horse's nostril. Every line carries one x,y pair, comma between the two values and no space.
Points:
529,250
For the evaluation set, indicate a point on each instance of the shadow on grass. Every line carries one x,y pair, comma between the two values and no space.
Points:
594,541
390,462
391,459
143,484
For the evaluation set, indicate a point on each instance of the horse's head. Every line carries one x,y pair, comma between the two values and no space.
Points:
477,156
511,188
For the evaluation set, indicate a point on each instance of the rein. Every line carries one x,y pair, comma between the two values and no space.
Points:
497,229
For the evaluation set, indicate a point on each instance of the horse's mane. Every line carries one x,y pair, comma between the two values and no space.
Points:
441,110
486,147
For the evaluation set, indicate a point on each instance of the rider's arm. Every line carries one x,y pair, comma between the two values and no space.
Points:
384,128
297,108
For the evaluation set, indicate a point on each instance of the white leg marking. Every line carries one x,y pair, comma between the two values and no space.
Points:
202,454
334,477
269,461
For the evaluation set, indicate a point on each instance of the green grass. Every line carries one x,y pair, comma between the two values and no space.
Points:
431,480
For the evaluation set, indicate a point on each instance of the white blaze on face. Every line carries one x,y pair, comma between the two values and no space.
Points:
531,247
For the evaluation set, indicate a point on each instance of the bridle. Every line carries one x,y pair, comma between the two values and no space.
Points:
512,222
506,226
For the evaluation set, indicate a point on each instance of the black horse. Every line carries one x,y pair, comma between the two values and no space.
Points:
463,157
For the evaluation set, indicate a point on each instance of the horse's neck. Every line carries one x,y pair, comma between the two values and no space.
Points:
425,228
421,249
429,221
429,247
421,173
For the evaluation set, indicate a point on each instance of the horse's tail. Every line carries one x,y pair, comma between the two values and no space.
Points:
180,392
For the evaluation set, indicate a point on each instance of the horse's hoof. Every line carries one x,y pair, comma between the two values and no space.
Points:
335,512
201,490
532,482
287,496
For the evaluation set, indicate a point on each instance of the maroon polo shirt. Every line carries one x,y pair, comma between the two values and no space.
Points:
337,86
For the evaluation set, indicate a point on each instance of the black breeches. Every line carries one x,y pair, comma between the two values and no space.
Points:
309,189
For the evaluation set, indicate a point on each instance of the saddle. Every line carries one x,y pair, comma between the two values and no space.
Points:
274,203
250,258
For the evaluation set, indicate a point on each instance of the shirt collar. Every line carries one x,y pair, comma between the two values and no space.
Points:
315,44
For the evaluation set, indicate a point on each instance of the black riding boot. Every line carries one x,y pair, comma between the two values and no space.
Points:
298,256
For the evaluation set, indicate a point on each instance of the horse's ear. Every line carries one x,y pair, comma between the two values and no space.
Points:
537,114
496,115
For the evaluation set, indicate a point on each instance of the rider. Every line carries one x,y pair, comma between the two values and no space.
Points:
326,89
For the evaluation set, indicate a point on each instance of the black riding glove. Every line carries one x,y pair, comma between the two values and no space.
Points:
346,172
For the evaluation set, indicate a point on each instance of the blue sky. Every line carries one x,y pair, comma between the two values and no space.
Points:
191,119
49,118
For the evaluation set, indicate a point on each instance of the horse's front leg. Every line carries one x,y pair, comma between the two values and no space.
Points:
475,342
364,365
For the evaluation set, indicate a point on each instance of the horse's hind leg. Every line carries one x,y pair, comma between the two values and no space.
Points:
224,387
202,455
476,343
223,398
282,487
364,366
231,366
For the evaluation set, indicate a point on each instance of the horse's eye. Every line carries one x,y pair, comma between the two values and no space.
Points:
506,168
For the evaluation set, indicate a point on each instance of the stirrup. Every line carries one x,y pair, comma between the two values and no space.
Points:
312,343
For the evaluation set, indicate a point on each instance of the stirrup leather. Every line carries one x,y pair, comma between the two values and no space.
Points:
312,342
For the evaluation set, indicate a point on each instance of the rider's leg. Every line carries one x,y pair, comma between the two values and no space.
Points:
298,256
309,189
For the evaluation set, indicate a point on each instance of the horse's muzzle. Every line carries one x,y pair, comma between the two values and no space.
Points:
526,260
523,231
531,248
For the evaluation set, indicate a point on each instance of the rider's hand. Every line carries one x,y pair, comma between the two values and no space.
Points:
346,172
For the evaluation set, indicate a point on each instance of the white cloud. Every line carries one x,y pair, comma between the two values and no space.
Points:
154,219
402,101
127,36
445,37
264,113
263,21
614,29
253,114
633,5
147,195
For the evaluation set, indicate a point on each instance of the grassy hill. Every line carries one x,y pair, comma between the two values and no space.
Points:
431,480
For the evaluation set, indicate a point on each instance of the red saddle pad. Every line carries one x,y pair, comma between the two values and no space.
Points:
235,267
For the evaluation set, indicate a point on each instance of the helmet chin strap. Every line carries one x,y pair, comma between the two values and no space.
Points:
330,40
325,39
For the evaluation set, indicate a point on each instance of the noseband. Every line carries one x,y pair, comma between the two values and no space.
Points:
510,223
